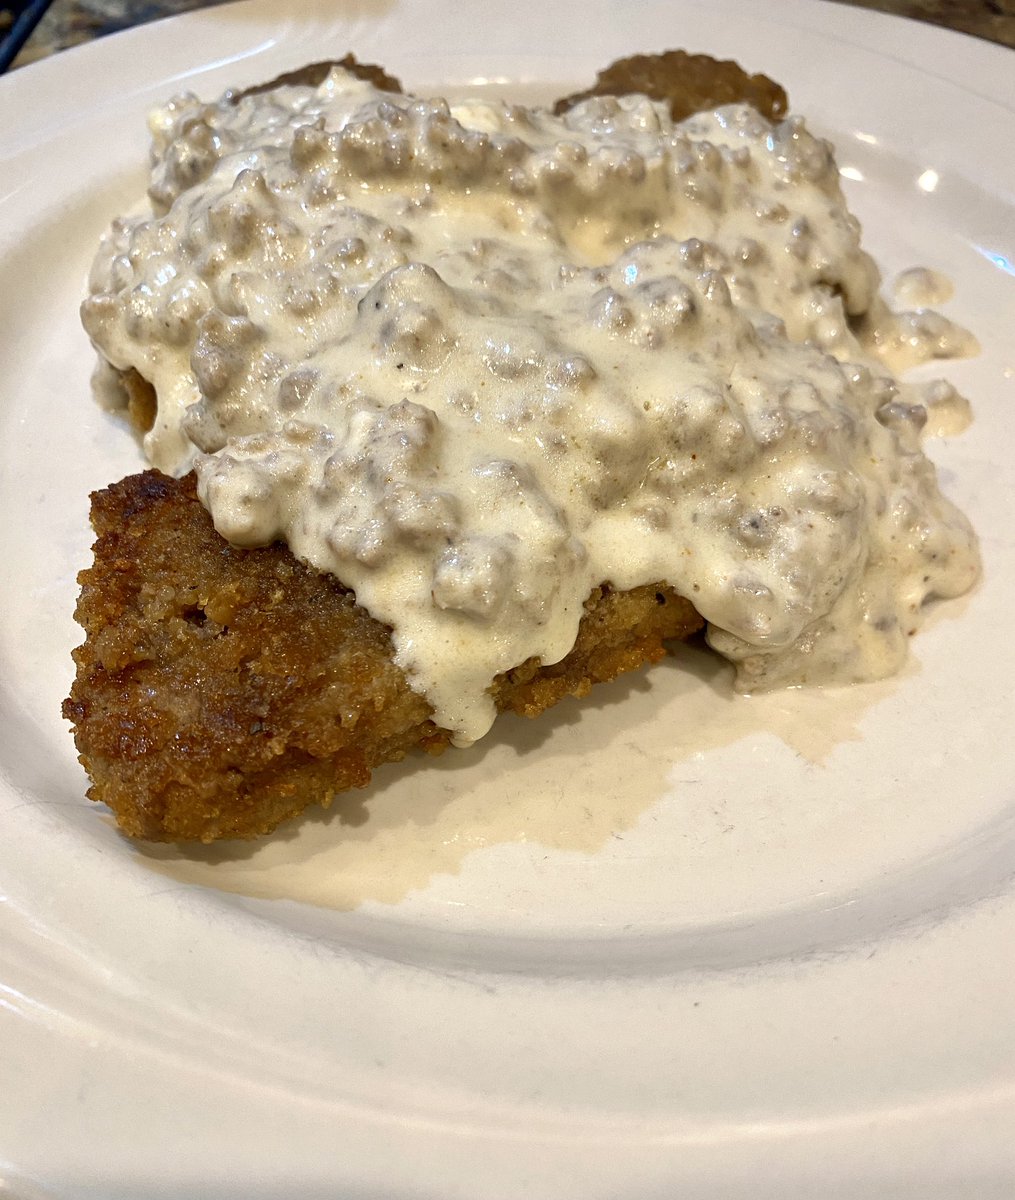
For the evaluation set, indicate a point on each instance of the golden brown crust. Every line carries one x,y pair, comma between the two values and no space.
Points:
690,83
314,74
220,691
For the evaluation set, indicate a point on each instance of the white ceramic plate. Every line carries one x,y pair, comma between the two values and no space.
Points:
667,942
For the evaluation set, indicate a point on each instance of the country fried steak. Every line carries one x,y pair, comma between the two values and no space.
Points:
688,83
221,691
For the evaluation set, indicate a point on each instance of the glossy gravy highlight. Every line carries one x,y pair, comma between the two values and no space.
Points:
475,359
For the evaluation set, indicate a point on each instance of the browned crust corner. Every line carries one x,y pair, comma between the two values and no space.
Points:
220,691
689,83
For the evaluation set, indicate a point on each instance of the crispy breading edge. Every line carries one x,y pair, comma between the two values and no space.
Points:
314,74
220,691
688,83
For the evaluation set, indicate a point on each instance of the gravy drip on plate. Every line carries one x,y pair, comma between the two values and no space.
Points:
474,360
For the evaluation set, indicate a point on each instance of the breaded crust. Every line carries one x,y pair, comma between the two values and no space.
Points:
689,83
314,74
221,691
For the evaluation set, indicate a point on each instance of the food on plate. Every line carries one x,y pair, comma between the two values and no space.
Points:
523,395
314,74
687,83
224,690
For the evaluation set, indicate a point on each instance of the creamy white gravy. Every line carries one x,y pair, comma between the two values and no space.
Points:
920,286
474,360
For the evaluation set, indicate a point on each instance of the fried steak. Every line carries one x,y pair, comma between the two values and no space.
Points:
688,83
220,691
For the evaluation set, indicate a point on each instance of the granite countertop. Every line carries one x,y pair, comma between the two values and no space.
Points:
70,22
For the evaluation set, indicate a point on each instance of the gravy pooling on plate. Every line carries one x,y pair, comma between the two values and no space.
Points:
476,359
